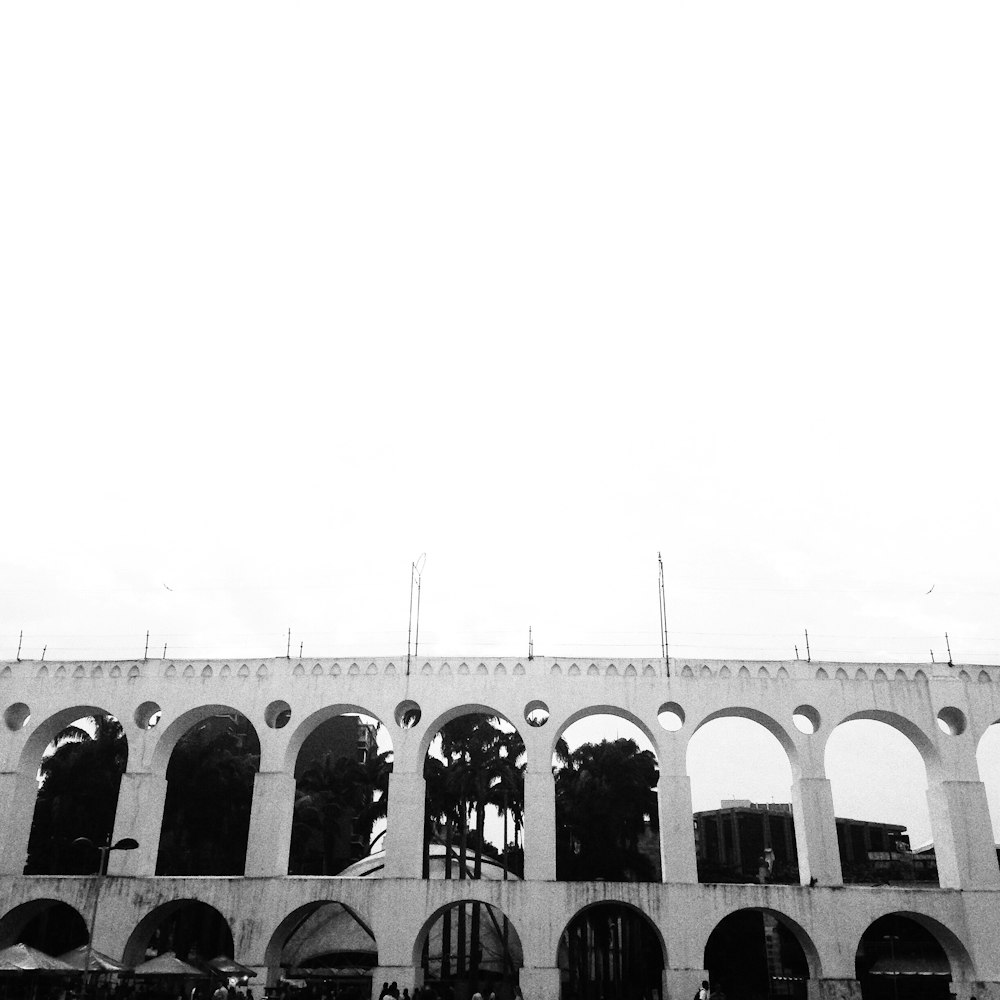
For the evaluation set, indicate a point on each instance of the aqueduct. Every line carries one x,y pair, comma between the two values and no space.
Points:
944,711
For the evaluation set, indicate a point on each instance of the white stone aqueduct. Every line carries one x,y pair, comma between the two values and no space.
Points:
828,918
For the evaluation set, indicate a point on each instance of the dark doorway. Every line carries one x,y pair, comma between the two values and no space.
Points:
898,959
610,952
752,955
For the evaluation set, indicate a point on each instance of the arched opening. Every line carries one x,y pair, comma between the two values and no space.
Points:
188,928
755,955
879,780
206,814
899,959
467,947
341,794
78,780
607,815
46,924
329,947
988,760
610,952
474,805
741,791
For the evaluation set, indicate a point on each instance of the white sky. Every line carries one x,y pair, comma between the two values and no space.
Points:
291,294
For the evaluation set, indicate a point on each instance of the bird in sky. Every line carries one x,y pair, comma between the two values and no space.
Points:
171,589
933,585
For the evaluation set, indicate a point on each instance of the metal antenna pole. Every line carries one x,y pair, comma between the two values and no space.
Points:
288,648
416,634
947,642
145,652
409,627
20,639
809,656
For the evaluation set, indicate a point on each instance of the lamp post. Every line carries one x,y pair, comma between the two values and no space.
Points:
125,844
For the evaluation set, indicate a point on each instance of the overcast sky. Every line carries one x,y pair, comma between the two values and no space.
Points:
294,293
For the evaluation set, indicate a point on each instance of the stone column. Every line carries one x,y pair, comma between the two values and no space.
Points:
404,832
17,793
677,854
678,862
963,835
816,831
139,815
539,826
270,835
539,983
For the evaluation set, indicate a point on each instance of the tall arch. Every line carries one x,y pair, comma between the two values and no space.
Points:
214,756
342,789
79,774
473,769
883,814
606,800
744,766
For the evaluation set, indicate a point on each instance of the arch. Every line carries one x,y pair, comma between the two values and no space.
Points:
924,744
687,671
755,955
860,674
822,675
984,678
16,925
614,710
149,927
49,728
491,924
582,947
469,708
956,954
775,728
316,719
297,918
172,734
763,674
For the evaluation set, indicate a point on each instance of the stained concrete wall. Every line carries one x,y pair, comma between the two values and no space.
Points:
828,918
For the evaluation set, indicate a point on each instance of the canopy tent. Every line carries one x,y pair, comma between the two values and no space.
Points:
99,962
229,967
23,958
168,964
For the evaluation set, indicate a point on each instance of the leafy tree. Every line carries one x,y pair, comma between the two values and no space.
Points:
605,800
77,797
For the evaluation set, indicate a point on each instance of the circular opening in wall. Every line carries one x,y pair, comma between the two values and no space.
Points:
147,715
536,713
806,719
17,716
407,714
951,721
278,714
671,716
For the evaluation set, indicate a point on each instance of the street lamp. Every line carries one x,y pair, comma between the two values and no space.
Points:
125,844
